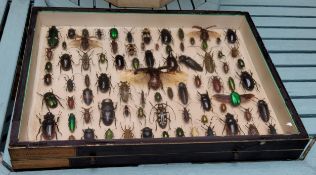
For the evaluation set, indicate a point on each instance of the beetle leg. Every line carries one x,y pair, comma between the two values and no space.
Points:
39,130
156,125
169,121
224,129
59,102
58,130
239,129
107,64
115,121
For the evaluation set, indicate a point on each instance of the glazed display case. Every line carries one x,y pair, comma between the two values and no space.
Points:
127,87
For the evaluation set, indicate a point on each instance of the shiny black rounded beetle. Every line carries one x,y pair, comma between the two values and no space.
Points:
179,132
147,133
119,62
247,81
65,62
172,63
165,36
87,96
104,82
48,67
48,79
231,36
107,112
88,134
48,127
71,33
231,125
183,93
263,110
146,36
149,58
205,101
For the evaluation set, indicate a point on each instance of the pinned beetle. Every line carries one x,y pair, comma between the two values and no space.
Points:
107,112
51,100
119,62
88,134
146,36
247,81
197,81
190,63
149,58
86,114
71,102
205,101
165,36
183,93
147,133
231,125
124,91
162,116
263,110
49,127
65,62
231,36
104,82
87,96
70,85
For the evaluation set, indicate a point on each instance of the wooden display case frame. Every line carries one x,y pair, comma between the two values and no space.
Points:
96,153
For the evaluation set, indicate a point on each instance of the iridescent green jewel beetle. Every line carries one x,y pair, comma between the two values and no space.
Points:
114,33
72,122
235,98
